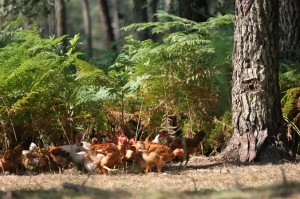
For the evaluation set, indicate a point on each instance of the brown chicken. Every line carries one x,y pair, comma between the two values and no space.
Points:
184,147
38,159
163,151
152,154
105,156
60,157
147,160
11,159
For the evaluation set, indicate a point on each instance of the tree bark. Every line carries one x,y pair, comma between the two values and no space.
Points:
256,110
51,21
141,16
61,23
87,26
60,13
290,30
108,33
115,17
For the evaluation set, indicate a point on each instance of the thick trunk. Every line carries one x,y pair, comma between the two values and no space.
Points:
256,111
290,30
108,33
87,26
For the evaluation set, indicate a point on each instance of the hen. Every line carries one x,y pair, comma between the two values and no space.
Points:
38,159
152,154
184,147
104,156
147,160
10,160
64,155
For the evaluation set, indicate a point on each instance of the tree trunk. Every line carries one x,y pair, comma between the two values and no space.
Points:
256,110
87,26
61,25
51,21
60,13
115,17
154,17
108,33
141,16
116,22
290,30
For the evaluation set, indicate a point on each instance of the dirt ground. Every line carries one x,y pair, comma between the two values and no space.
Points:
196,181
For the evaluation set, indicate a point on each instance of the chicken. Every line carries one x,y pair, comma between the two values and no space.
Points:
60,157
92,162
38,159
10,160
66,154
156,139
184,147
123,146
105,156
74,153
147,160
151,154
163,151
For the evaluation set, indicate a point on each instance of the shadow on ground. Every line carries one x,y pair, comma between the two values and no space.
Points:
67,190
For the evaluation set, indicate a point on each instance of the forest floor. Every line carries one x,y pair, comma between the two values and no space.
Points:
196,181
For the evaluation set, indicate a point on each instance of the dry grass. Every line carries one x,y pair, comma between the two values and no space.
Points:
252,181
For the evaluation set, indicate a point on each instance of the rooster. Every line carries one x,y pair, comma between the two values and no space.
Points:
184,147
10,160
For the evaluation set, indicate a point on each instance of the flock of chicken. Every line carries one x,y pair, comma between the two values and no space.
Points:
100,158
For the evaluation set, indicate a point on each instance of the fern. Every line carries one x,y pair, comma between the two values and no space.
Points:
182,64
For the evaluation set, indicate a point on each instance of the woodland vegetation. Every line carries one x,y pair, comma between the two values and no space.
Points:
136,66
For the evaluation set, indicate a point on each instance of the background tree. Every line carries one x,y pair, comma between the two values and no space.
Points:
108,33
290,30
141,16
290,68
256,111
87,24
61,17
61,21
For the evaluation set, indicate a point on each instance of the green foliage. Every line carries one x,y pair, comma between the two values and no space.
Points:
41,88
288,102
220,134
185,69
289,75
14,12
